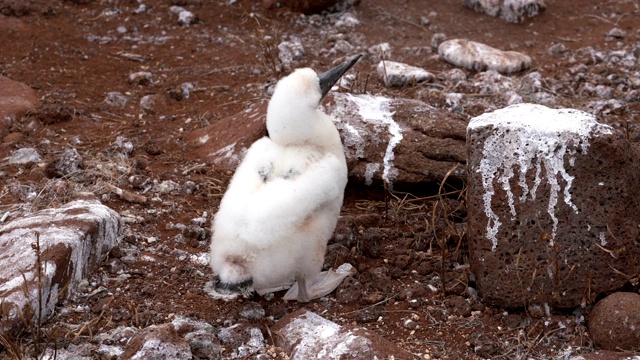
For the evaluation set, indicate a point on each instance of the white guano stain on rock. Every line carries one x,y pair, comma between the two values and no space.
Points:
18,257
310,329
376,111
603,238
355,140
203,140
369,171
227,153
532,136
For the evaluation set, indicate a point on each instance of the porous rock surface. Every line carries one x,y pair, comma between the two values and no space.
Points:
305,335
72,240
550,193
514,11
614,323
403,142
481,57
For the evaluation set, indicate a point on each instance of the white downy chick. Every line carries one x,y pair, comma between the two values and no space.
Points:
283,202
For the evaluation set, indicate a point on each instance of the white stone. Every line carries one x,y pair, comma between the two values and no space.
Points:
380,51
140,78
510,10
347,20
23,156
115,99
480,57
306,335
398,74
185,17
290,51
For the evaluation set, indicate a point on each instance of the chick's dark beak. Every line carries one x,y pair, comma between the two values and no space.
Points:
331,76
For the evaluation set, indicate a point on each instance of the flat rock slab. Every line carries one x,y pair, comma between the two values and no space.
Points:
514,11
404,142
396,74
305,335
552,207
73,240
614,323
481,57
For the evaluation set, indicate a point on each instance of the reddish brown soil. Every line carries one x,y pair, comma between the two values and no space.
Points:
71,53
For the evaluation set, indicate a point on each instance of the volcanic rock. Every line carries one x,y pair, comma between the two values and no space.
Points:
44,255
305,335
393,73
614,323
514,11
552,199
480,57
402,142
158,342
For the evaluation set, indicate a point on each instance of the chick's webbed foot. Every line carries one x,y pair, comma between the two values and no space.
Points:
323,284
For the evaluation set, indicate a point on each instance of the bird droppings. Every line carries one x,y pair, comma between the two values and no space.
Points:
376,111
203,139
228,152
531,137
370,170
80,232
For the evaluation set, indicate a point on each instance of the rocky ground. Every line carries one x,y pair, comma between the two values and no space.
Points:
95,128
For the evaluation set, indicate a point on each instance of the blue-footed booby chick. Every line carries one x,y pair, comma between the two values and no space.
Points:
283,202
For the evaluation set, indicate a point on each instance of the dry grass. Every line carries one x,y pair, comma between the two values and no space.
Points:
266,41
13,347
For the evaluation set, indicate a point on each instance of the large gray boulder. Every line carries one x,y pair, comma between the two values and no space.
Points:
44,255
552,207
